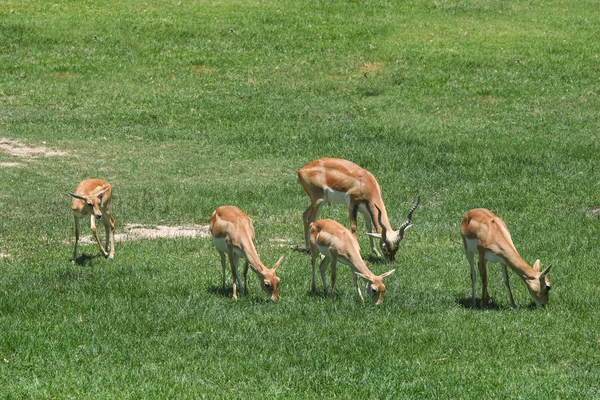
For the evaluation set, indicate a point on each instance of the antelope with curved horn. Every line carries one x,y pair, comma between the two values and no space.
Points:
336,180
233,234
485,234
337,243
92,197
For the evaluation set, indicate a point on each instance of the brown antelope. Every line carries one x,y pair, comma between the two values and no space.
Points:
485,234
337,243
233,234
335,180
92,197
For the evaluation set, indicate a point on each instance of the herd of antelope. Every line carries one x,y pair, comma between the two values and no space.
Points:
333,180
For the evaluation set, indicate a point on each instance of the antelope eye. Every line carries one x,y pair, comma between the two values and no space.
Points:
89,203
267,284
373,289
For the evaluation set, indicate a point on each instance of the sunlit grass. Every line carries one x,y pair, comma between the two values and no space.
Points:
186,106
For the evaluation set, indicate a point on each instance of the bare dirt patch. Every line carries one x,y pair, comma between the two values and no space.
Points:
200,68
594,211
132,232
17,148
10,164
372,67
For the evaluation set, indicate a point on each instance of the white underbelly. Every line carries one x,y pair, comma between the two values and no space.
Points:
221,245
325,251
489,256
334,196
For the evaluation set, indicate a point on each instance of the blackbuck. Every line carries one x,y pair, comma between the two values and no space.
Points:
485,234
92,198
233,235
334,180
337,243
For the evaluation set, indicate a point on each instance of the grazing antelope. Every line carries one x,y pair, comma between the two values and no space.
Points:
233,234
340,181
92,197
337,243
485,234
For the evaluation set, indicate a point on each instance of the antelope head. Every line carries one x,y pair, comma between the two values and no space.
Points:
92,202
375,286
540,286
390,240
269,281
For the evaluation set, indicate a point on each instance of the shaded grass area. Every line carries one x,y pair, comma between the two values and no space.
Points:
185,106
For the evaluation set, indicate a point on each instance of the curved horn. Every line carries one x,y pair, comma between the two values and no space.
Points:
406,223
383,228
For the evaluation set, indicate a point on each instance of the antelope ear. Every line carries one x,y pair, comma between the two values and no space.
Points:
387,274
375,235
101,193
278,263
362,276
543,274
77,196
536,265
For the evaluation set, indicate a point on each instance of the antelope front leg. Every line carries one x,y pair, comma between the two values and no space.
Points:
507,284
333,272
108,239
369,226
355,278
74,260
95,232
353,209
245,287
112,236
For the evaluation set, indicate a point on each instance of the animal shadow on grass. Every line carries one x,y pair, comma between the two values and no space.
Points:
86,259
300,250
217,290
465,302
373,259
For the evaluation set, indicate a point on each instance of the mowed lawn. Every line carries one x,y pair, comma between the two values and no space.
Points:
188,105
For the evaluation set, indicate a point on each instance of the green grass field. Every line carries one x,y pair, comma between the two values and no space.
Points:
188,105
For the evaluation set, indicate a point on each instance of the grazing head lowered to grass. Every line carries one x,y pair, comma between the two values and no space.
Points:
336,180
337,243
486,234
92,198
233,235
